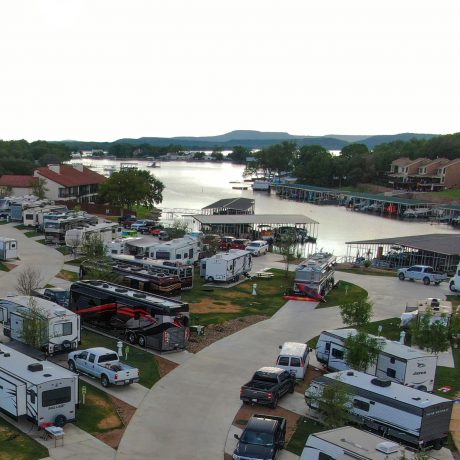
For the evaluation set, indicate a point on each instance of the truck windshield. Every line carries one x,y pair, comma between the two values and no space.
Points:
108,357
257,438
62,296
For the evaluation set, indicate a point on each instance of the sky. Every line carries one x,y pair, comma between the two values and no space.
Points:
100,70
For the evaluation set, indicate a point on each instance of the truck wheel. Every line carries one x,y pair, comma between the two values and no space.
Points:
132,338
60,420
452,287
141,341
426,281
401,276
104,381
437,283
72,367
292,387
274,402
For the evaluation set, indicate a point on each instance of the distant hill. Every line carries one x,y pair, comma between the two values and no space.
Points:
372,141
243,135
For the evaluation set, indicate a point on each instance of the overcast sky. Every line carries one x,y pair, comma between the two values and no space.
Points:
103,70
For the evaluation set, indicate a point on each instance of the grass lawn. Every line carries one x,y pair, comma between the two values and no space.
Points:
368,271
213,305
3,267
3,222
454,193
343,292
22,227
41,241
144,361
64,250
31,233
305,427
76,262
67,275
98,414
449,376
17,446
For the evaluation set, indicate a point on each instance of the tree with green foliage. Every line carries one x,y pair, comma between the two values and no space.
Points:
34,330
132,187
178,228
431,335
287,245
93,246
356,314
199,155
362,351
217,155
313,165
39,188
239,154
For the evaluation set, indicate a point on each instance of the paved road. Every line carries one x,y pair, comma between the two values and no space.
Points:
31,253
189,412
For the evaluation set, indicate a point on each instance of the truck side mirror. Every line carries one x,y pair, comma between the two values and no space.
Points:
236,436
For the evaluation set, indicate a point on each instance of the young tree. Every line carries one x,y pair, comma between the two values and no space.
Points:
178,228
362,351
34,327
101,270
39,188
356,314
29,280
93,247
287,245
432,335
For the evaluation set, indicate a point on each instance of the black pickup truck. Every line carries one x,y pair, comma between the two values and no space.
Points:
267,385
262,438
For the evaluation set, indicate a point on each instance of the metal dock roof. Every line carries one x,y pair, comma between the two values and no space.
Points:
261,219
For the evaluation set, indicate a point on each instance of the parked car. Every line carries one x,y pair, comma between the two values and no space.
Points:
163,236
454,283
225,242
423,273
142,224
262,438
127,220
239,243
56,295
257,247
267,385
155,230
104,364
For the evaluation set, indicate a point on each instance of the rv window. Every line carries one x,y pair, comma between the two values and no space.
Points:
29,216
392,360
178,256
62,329
164,255
323,456
190,254
295,362
391,373
56,396
283,361
328,346
361,405
32,397
91,357
337,353
114,251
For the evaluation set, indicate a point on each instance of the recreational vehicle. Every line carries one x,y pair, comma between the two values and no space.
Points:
33,217
55,225
347,443
118,246
149,320
8,248
75,237
412,416
396,361
227,266
59,328
40,391
440,311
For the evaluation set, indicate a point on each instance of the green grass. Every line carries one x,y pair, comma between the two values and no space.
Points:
3,267
41,241
144,361
22,227
97,408
268,301
64,250
31,233
3,222
454,193
449,376
68,275
368,271
305,427
17,446
343,292
76,262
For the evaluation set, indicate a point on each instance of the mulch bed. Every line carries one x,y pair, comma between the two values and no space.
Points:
165,365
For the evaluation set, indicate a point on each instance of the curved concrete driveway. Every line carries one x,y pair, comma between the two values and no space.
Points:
47,260
188,413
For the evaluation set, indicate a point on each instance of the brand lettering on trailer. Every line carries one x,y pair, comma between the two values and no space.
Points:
419,373
55,407
437,412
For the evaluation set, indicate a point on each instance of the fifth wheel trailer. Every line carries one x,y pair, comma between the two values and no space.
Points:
412,416
227,266
40,391
397,362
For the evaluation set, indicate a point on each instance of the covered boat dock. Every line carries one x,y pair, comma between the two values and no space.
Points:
441,251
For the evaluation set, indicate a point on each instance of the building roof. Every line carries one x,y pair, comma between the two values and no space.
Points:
10,180
240,204
452,162
71,176
407,161
261,219
441,243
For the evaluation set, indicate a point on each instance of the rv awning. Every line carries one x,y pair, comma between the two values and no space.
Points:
261,219
145,242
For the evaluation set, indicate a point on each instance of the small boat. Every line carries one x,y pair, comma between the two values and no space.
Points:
240,187
127,166
153,164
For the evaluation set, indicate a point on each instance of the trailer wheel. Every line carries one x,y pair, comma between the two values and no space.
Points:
132,338
60,420
141,341
438,444
274,402
104,381
72,367
426,281
452,287
210,279
401,276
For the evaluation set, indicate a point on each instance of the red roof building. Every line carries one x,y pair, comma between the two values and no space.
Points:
70,182
15,185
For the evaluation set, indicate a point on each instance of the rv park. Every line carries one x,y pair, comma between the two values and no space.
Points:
196,390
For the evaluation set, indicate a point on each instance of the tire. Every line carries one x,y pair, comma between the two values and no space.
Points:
72,367
141,341
210,279
66,345
426,281
437,445
132,338
60,420
291,388
104,381
437,283
452,287
274,402
401,277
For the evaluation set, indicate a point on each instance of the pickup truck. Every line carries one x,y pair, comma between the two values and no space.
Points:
267,385
262,439
423,273
104,364
56,295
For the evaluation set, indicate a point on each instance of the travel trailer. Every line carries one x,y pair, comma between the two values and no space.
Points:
118,245
75,237
60,327
55,225
397,362
40,391
227,266
20,205
33,217
347,443
8,248
415,417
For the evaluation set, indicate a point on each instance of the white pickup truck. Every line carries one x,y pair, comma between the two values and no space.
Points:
423,273
104,364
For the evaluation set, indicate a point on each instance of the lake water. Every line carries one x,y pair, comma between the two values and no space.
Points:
195,185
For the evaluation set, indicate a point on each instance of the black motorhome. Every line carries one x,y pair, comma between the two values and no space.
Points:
150,320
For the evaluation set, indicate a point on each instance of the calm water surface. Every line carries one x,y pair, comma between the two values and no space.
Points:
196,185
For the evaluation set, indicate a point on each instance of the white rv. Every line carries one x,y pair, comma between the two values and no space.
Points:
61,327
349,443
40,391
397,362
118,245
8,248
418,418
227,266
76,237
34,217
441,311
